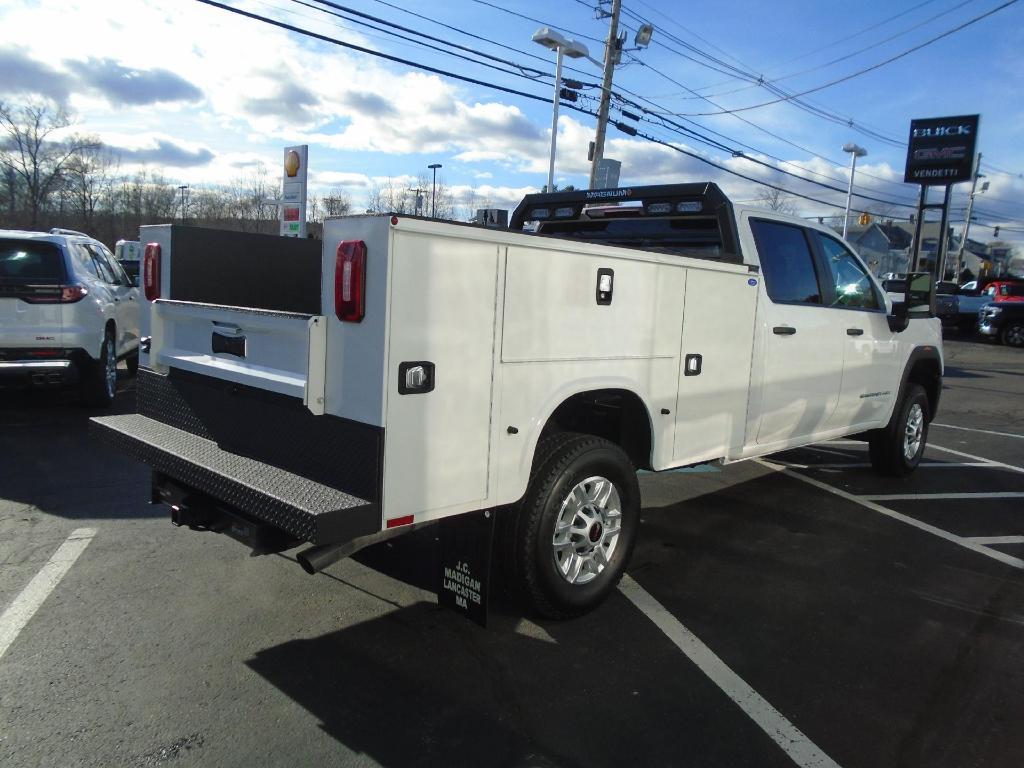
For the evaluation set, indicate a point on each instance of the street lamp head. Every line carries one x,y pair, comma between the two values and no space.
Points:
553,39
643,35
434,166
856,150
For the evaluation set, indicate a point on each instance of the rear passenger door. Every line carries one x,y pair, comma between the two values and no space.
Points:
870,361
801,348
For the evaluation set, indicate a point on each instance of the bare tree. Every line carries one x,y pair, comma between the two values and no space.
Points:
88,181
36,157
389,198
336,203
776,200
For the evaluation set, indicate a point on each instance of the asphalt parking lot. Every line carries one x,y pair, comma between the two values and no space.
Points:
792,611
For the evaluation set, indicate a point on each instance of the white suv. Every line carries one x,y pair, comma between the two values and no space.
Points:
68,313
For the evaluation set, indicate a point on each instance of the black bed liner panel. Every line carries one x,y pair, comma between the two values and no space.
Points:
244,269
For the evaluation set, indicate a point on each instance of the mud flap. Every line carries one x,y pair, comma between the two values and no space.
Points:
464,574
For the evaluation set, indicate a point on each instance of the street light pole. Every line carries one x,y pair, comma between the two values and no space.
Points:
855,152
554,119
182,189
558,43
433,190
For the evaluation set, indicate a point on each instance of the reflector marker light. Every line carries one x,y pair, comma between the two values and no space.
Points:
395,522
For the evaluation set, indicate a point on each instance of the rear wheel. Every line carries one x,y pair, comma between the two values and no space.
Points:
897,449
567,543
1013,334
99,384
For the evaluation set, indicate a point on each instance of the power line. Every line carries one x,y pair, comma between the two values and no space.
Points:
379,54
850,55
535,21
865,70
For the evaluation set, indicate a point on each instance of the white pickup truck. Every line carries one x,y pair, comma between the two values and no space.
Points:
414,370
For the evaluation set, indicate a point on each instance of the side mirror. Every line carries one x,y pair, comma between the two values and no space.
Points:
918,301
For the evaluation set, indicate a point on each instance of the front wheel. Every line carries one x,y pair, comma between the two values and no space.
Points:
896,450
1013,334
569,540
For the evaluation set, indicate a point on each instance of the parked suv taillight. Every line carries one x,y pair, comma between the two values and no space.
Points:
151,271
54,294
350,281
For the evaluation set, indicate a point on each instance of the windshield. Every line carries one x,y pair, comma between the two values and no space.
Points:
28,261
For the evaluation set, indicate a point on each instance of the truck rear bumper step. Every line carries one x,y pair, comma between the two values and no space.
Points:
302,507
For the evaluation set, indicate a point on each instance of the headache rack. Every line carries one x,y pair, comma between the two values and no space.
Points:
684,219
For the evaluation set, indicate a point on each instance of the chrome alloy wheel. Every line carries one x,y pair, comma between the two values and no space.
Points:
913,432
110,368
587,529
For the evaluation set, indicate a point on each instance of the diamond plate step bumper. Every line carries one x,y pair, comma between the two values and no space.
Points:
304,508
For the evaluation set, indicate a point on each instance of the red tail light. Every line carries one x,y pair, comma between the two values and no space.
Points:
151,271
350,281
54,294
69,294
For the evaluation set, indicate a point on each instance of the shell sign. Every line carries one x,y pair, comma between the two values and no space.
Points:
292,206
292,163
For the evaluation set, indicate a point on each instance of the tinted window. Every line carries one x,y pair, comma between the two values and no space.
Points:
109,264
84,260
30,262
853,287
786,261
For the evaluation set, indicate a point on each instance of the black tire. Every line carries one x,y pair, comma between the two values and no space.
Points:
888,447
1012,334
132,361
97,390
532,567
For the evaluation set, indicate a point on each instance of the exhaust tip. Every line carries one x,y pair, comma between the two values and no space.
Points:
307,566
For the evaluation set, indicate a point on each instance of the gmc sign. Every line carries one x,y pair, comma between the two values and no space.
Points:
941,150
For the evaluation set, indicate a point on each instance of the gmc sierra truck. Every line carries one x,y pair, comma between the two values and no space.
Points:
410,370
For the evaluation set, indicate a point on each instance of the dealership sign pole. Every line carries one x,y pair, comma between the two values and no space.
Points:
292,206
940,152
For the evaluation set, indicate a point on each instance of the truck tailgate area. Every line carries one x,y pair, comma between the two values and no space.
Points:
316,477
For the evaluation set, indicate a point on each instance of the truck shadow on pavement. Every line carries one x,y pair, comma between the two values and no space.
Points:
51,462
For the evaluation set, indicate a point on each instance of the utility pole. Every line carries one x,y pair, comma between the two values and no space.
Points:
418,202
610,54
967,223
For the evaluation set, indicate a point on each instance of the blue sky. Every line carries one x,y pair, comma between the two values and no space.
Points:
205,95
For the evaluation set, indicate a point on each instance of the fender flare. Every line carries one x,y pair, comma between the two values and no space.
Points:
917,354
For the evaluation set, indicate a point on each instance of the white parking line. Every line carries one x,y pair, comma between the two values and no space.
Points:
983,431
995,554
865,465
996,539
991,462
35,593
940,496
791,739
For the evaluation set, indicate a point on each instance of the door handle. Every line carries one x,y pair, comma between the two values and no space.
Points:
783,330
854,331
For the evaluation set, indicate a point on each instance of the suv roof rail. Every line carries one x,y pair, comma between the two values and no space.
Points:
62,231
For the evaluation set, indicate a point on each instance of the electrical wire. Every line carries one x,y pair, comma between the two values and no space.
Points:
865,70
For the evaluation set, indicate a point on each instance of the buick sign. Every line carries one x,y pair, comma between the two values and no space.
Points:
941,150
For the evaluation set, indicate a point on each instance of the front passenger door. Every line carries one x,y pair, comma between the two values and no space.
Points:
802,366
870,360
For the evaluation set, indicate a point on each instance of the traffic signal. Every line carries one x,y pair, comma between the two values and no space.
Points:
995,232
864,219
